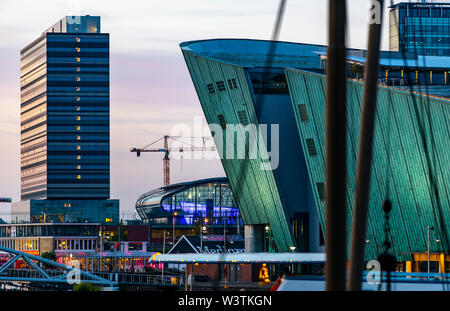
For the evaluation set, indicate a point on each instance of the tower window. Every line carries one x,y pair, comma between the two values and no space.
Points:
243,119
211,88
222,122
311,147
303,113
321,190
232,84
220,86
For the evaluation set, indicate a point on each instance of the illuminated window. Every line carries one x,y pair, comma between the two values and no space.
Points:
78,157
67,205
78,59
108,220
78,128
78,79
78,49
78,99
78,69
78,167
78,108
78,118
78,39
78,176
78,89
78,137
78,147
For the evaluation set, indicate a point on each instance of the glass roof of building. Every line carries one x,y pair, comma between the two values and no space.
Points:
155,196
254,53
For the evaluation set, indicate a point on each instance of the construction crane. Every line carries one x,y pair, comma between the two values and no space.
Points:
167,151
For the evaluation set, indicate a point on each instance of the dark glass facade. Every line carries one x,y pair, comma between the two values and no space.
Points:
420,27
65,112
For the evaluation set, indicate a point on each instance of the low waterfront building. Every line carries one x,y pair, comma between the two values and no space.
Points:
62,239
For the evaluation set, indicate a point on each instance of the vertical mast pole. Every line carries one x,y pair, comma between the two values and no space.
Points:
336,168
366,133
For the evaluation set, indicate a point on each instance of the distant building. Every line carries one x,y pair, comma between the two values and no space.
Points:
65,144
193,208
209,244
62,239
421,27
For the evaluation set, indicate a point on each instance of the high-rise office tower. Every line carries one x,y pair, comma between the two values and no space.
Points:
420,27
65,136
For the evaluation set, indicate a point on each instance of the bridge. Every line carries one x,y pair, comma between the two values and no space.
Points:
59,275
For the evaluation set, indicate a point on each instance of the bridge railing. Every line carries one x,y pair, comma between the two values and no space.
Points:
142,278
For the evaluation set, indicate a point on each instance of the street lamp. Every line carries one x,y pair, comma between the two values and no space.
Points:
173,227
429,228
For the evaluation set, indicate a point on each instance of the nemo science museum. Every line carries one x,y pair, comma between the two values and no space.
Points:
239,84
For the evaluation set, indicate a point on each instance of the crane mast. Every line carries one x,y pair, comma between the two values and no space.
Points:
166,162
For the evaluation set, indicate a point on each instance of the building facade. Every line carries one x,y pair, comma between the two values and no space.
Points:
65,127
420,27
62,239
190,208
236,88
410,155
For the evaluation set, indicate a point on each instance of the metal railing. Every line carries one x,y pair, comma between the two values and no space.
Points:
142,278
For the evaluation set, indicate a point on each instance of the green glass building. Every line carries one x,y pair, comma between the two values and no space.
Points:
236,84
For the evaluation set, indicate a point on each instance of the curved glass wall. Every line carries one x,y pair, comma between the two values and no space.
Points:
207,201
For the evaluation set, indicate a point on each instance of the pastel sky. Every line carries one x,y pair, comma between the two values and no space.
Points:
151,90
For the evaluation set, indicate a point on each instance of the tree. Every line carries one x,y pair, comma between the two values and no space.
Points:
49,256
358,70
